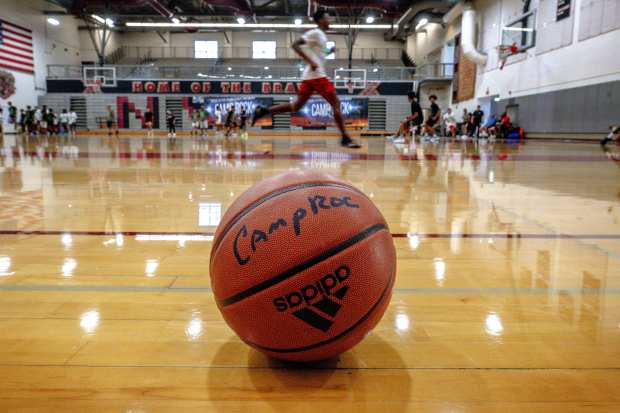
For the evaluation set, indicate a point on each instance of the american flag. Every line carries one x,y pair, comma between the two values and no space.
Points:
16,48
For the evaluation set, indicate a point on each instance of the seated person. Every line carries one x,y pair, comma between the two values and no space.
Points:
449,123
614,134
489,128
505,124
410,123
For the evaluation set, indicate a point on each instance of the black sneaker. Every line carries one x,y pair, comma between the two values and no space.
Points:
259,112
349,143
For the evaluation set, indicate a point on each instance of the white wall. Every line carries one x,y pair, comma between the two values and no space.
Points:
239,39
87,49
554,64
52,45
564,57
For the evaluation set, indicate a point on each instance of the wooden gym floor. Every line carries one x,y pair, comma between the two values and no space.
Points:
507,295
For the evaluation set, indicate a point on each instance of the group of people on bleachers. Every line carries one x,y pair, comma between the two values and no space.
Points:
34,121
468,125
471,125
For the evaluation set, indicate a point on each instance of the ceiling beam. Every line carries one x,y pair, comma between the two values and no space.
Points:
252,10
269,3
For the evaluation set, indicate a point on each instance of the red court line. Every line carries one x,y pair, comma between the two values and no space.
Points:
327,156
496,235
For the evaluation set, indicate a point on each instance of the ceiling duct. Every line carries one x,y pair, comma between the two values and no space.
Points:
400,31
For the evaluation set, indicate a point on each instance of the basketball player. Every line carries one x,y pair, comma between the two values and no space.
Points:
477,115
202,120
230,123
148,122
614,134
73,117
171,121
410,123
111,121
219,124
315,77
243,122
195,122
433,118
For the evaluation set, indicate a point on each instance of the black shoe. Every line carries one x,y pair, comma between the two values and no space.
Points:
350,143
259,112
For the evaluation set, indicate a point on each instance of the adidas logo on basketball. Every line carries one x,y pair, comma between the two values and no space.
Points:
320,300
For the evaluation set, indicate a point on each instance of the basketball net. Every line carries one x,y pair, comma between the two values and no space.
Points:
93,86
350,87
508,51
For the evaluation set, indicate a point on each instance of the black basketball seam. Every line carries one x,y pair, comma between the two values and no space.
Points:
302,266
260,201
336,337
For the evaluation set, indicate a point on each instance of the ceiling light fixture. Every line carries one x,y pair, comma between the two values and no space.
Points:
244,25
421,23
370,19
53,21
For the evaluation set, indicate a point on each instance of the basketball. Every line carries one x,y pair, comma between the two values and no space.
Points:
302,266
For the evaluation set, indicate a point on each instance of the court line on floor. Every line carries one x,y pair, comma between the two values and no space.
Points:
151,289
495,235
300,366
318,156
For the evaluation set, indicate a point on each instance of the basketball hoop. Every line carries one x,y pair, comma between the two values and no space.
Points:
350,87
505,51
92,86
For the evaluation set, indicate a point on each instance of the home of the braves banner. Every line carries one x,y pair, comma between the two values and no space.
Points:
210,87
215,87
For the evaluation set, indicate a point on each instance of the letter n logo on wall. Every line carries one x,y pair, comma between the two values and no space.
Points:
124,108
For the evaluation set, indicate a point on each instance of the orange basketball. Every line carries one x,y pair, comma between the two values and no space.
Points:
302,266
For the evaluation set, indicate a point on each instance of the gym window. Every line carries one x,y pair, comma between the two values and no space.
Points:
205,49
263,49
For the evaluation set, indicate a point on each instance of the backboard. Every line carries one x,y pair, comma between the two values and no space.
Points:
105,76
350,79
521,32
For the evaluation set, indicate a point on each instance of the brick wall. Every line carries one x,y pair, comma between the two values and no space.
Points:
466,79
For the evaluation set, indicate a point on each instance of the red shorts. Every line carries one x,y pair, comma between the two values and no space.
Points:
323,86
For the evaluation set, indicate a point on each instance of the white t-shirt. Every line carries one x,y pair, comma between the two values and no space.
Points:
317,51
64,118
218,117
449,119
73,117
